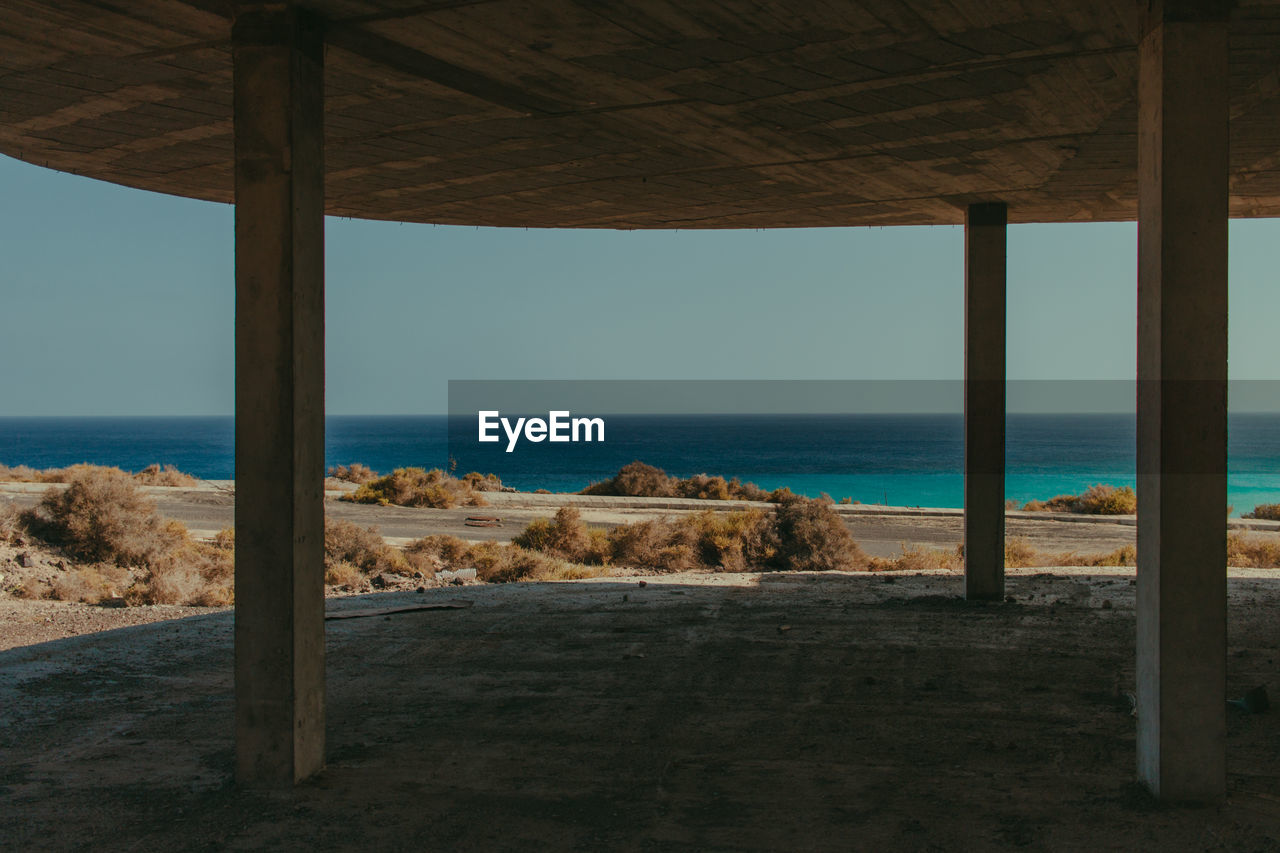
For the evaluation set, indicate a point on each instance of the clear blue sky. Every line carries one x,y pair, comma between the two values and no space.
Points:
117,301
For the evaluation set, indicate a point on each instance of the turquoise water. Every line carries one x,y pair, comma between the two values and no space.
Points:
903,460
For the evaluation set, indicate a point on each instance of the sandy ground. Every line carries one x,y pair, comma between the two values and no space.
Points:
696,712
882,531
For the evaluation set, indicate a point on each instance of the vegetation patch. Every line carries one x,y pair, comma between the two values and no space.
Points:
119,546
349,547
1266,512
1252,552
1096,500
800,534
353,473
418,487
645,481
152,475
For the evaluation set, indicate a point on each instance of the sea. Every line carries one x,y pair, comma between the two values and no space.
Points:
898,460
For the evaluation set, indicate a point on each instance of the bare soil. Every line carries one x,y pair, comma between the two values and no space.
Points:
691,713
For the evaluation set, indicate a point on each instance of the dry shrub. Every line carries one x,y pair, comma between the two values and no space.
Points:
342,574
1251,552
1108,500
27,474
1060,503
225,539
497,563
1267,512
102,517
155,475
655,544
564,536
18,474
483,482
734,541
703,487
417,487
645,481
10,523
635,479
801,534
354,473
361,547
599,547
812,538
152,475
194,573
1096,500
91,584
442,548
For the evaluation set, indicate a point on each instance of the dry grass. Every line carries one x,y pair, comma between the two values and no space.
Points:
564,536
495,562
361,548
417,487
354,473
919,559
483,482
92,584
102,517
1096,500
1018,554
447,551
799,535
167,475
645,481
152,475
10,521
1266,512
197,574
124,547
1252,552
26,474
1243,551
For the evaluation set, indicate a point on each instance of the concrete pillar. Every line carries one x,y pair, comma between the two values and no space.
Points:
984,391
279,182
1182,401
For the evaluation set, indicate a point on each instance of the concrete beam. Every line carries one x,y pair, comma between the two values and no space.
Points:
984,399
1182,401
279,226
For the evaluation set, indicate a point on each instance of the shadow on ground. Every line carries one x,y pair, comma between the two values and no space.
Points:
799,713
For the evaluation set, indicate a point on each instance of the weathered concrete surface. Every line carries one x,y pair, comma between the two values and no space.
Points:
1182,400
279,512
647,114
984,399
892,715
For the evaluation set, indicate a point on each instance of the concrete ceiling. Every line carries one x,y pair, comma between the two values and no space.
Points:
646,114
